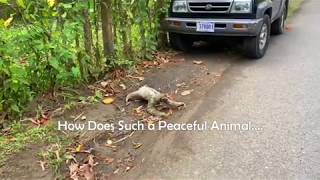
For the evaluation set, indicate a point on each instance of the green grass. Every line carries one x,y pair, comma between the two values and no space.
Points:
294,6
22,135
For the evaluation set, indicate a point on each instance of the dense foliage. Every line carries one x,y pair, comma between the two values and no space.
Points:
47,44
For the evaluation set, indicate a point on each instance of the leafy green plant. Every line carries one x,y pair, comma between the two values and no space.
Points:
38,56
48,44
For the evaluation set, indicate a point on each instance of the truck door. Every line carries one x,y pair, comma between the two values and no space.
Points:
276,7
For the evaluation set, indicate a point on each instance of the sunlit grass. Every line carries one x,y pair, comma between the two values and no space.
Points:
294,6
22,135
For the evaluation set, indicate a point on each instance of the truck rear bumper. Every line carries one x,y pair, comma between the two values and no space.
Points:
223,27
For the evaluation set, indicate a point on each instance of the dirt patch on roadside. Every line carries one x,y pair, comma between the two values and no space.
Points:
180,75
25,165
191,73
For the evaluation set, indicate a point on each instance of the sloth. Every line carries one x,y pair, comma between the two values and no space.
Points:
153,97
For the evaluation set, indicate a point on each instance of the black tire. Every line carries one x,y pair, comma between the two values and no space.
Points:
278,26
252,44
180,42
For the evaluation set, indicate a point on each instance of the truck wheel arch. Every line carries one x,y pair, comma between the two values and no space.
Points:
263,8
268,12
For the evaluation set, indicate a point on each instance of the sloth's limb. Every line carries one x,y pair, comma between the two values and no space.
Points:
172,103
152,110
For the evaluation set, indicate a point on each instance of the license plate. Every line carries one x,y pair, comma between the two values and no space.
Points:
205,26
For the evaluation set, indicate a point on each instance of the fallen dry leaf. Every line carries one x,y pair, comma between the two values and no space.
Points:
105,83
78,172
109,160
89,151
108,100
109,142
113,147
86,170
43,120
134,77
181,84
137,145
119,161
73,171
179,60
91,160
141,78
198,62
139,111
186,93
151,120
128,168
123,86
108,95
148,64
43,164
116,171
79,147
91,87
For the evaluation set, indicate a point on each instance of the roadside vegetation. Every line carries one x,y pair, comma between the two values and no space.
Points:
21,135
49,45
52,49
294,6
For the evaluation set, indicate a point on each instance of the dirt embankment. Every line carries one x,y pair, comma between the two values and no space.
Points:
183,77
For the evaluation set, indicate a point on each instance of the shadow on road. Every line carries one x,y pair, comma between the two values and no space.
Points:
227,45
227,49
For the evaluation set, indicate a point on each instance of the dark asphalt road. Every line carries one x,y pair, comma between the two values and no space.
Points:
279,93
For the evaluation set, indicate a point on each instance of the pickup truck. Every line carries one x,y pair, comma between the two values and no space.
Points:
253,20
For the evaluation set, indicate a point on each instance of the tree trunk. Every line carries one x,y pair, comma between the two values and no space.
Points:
143,39
87,28
125,33
107,32
162,35
96,25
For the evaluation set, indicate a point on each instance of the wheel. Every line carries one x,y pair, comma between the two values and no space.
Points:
180,42
278,25
257,46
